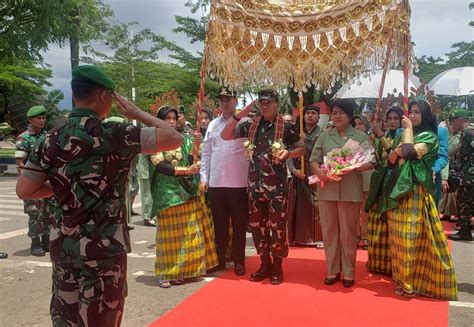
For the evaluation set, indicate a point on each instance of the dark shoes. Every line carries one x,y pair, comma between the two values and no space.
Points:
347,283
37,248
3,255
332,280
464,234
268,270
239,269
277,271
260,274
149,223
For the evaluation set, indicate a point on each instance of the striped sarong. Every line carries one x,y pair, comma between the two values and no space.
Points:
184,241
421,262
379,257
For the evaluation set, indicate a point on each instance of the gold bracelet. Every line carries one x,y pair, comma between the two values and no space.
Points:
180,171
407,136
386,142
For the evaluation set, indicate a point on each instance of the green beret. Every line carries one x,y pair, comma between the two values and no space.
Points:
36,111
114,119
92,74
459,113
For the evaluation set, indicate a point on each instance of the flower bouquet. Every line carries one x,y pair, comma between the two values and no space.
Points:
341,160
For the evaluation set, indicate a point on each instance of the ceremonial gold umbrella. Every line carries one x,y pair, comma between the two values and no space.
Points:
297,43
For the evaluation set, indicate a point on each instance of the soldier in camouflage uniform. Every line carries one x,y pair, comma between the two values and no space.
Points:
38,211
85,163
271,142
465,195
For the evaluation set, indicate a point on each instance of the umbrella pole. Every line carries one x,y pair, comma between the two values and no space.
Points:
302,135
405,78
378,108
199,109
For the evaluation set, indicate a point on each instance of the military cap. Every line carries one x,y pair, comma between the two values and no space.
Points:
459,113
268,94
225,92
36,111
92,74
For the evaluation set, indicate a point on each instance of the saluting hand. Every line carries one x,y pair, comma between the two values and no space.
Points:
128,109
246,111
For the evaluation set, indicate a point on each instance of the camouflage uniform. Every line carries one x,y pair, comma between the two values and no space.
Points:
268,189
38,211
87,163
465,195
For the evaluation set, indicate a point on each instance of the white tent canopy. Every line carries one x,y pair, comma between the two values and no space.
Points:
368,85
456,81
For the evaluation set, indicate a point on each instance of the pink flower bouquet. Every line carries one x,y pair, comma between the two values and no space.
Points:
338,161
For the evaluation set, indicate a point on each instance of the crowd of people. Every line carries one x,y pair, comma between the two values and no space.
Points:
242,171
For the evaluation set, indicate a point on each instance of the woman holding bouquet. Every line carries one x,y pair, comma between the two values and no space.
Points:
421,262
303,216
184,235
339,202
378,247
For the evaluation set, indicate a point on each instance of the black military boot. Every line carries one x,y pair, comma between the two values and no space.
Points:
277,271
264,271
36,247
45,242
464,234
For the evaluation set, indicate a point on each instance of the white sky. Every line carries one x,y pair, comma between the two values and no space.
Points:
435,26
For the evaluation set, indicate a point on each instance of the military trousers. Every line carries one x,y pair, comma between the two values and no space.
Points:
90,293
40,215
268,221
465,204
340,225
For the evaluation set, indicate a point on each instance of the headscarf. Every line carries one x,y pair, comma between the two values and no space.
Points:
345,105
311,107
209,114
364,121
428,122
163,111
399,112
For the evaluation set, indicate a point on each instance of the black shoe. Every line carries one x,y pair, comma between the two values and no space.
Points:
239,269
277,271
332,280
149,223
45,243
37,248
347,283
3,255
264,271
215,269
464,234
445,218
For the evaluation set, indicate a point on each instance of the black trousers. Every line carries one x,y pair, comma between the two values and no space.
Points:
229,204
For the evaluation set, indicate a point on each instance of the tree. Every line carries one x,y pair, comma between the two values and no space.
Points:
27,27
24,79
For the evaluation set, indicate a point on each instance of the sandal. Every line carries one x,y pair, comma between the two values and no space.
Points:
164,284
401,292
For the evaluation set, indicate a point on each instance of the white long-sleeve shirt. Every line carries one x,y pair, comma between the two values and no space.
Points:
223,163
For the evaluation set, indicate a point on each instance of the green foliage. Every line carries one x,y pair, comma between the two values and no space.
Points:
28,26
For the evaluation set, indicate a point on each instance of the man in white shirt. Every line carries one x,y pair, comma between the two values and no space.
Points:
224,173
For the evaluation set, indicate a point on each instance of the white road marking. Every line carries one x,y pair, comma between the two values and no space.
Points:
141,242
7,188
461,304
15,201
8,206
10,196
12,213
5,219
139,273
142,255
14,233
38,263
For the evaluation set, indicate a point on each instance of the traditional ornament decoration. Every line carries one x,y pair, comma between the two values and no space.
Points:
298,43
169,98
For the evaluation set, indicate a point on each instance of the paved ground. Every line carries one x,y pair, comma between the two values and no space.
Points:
25,281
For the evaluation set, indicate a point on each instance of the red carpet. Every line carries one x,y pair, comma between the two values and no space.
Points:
304,300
